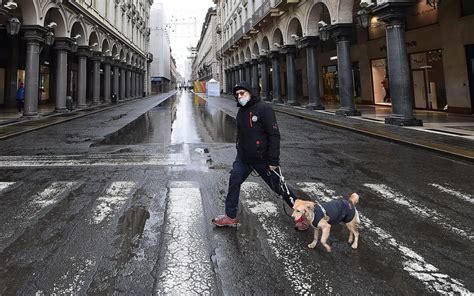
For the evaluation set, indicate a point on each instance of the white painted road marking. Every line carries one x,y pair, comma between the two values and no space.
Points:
115,196
413,263
282,246
91,160
390,194
463,196
186,267
5,185
32,211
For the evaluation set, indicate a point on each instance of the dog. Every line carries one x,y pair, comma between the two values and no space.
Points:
323,216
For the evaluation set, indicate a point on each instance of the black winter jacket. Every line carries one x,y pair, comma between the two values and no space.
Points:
258,136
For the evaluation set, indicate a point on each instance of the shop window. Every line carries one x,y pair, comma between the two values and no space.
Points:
467,7
428,80
331,85
380,82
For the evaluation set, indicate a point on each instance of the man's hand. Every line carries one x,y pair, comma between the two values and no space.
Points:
273,168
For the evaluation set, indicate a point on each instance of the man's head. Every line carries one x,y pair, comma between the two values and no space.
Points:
242,92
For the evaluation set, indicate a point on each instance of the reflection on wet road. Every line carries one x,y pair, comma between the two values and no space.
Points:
183,118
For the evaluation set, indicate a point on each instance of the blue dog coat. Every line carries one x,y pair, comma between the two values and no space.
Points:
338,211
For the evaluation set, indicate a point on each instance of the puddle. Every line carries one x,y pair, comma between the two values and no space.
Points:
131,226
177,120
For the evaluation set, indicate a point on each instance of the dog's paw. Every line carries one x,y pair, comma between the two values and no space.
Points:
328,249
312,245
354,246
350,241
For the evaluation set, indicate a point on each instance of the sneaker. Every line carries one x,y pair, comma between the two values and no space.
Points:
223,220
302,226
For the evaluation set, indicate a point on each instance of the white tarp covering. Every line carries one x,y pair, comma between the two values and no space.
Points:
213,88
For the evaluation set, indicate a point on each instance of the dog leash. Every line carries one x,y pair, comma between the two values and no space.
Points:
284,188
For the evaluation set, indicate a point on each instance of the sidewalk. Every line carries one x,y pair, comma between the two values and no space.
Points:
12,123
446,133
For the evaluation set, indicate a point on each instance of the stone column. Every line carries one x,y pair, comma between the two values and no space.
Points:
248,72
342,33
123,74
128,82
241,74
393,15
132,82
116,90
83,53
34,39
265,87
107,79
61,46
96,60
312,69
275,56
255,86
290,52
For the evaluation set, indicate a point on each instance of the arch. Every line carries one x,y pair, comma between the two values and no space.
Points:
29,12
122,55
319,12
105,48
294,31
94,41
277,38
265,44
248,54
56,15
78,29
344,11
115,52
255,50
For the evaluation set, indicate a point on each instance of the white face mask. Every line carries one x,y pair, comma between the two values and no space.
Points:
244,100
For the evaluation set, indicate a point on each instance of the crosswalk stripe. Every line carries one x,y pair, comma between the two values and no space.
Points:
91,160
185,258
390,194
5,185
463,196
282,246
413,263
51,195
115,196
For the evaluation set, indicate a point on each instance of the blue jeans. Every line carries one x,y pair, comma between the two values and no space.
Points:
238,175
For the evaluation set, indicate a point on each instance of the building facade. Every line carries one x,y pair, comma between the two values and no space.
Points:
160,48
86,49
413,55
205,65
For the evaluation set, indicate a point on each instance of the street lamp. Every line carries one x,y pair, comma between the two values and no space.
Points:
323,31
13,26
363,18
49,39
433,3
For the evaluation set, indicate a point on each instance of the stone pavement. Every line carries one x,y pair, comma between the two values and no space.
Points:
446,133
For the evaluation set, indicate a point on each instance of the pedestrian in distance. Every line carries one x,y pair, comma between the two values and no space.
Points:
20,98
258,149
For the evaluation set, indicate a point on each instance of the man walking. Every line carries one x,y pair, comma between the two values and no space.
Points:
258,149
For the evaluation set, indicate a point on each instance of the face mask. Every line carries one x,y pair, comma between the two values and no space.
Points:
244,100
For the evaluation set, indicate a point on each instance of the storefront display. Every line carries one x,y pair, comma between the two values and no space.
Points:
380,82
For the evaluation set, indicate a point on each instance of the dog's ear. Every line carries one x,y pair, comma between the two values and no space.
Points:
310,206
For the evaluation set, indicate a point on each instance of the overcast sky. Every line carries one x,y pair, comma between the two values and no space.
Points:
185,18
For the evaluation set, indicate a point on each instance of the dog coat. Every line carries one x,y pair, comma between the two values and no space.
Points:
338,211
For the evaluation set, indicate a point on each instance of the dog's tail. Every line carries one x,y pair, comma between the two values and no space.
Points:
354,198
